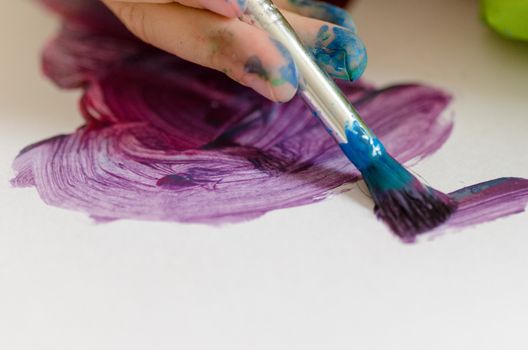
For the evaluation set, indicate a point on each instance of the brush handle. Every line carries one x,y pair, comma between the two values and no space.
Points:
316,87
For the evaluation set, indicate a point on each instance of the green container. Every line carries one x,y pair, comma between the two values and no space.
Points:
508,17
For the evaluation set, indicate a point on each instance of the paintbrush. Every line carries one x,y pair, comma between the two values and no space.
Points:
406,204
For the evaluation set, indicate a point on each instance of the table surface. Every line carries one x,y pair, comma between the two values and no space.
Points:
288,280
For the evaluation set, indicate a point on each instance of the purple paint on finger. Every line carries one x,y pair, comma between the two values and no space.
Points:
167,140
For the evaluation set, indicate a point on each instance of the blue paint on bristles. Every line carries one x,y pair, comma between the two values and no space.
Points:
407,205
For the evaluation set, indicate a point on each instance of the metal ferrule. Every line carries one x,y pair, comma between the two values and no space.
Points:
316,87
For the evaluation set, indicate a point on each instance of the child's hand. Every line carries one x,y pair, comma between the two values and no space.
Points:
209,33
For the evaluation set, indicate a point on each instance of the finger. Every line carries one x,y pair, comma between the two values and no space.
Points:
338,50
319,10
228,8
243,52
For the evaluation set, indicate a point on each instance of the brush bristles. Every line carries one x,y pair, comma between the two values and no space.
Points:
403,202
412,211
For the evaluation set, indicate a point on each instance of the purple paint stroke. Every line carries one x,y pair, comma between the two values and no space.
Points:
488,201
167,140
151,170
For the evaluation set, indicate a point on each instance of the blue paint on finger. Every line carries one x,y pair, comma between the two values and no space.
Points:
288,72
340,53
254,66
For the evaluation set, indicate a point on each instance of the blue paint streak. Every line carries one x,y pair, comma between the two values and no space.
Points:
475,189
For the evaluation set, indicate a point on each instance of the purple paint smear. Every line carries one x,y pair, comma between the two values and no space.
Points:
489,201
167,140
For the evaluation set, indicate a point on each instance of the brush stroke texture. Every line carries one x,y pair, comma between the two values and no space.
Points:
168,140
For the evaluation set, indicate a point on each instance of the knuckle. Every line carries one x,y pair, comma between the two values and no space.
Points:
223,52
134,17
